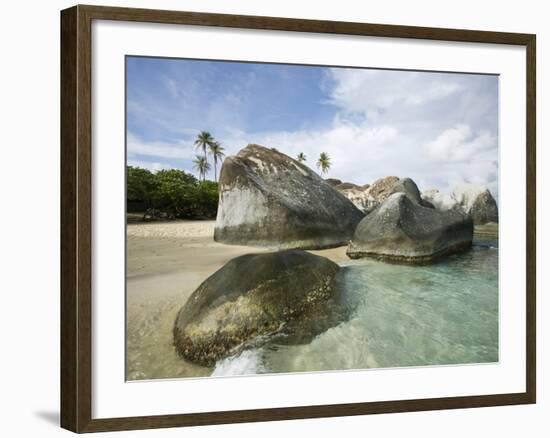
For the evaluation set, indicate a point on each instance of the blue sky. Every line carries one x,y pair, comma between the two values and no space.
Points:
440,129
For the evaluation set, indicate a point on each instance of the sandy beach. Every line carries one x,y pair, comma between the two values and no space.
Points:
166,262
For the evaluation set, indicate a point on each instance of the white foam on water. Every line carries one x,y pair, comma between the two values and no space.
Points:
247,362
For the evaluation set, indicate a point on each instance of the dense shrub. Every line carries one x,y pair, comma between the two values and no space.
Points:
171,193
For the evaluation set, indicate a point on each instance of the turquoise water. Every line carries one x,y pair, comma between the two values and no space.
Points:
445,313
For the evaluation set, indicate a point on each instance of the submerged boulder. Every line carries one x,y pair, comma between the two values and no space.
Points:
269,199
473,199
404,231
289,293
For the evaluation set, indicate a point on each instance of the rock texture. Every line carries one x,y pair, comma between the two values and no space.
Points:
473,199
476,201
347,186
333,182
291,294
269,199
366,198
356,194
403,231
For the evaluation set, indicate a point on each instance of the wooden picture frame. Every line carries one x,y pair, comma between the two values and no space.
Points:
76,217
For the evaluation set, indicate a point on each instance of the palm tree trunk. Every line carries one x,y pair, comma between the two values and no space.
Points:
215,171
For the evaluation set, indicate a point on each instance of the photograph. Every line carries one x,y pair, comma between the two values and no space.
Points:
289,218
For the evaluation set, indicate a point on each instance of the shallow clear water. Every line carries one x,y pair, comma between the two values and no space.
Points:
445,313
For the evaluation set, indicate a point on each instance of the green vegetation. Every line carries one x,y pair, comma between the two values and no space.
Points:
208,146
217,152
323,163
170,194
204,141
202,166
301,157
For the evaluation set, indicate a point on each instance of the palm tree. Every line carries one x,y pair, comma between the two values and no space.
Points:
323,163
301,157
203,141
202,166
216,150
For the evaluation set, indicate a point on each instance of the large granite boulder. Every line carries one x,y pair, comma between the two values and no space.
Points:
269,199
403,231
473,199
290,294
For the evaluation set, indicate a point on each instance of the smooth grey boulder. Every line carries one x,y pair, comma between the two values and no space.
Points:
409,187
269,199
401,230
290,294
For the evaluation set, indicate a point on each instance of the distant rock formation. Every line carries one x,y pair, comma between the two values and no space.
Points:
290,293
355,194
476,201
269,199
380,189
347,186
402,230
366,198
333,182
473,199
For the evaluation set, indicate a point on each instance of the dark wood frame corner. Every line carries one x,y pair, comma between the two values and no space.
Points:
76,239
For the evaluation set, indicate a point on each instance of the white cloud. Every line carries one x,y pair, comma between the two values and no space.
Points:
460,144
179,149
370,91
352,148
439,129
443,125
150,165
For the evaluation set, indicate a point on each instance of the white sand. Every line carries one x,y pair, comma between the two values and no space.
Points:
176,229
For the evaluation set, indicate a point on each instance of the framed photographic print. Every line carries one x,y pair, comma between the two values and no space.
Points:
270,218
